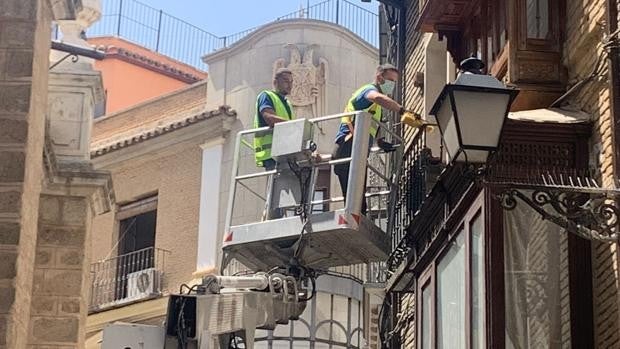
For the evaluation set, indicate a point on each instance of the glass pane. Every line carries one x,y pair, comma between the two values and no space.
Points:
451,297
477,284
537,19
536,279
427,304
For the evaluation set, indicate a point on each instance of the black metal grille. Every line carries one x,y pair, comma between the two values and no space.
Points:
409,194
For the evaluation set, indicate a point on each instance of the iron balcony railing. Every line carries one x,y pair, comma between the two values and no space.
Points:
127,278
409,194
173,37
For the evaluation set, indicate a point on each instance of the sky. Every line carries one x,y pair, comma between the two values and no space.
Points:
168,33
231,16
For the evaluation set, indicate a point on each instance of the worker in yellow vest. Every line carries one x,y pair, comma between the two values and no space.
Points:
371,98
272,107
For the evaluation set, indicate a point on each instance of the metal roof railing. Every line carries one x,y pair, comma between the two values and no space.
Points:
183,41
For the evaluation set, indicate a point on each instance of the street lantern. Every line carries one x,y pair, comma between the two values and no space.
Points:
471,113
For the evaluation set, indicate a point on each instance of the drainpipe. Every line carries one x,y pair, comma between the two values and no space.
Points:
611,14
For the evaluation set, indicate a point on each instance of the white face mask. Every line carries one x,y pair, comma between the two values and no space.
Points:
387,87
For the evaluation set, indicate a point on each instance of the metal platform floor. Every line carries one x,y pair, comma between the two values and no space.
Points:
331,239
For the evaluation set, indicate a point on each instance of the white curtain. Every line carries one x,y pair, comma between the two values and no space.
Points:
451,296
536,281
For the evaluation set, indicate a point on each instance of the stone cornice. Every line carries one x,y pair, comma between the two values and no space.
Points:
77,179
289,24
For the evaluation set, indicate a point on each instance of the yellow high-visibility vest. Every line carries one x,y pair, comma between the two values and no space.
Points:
262,140
373,109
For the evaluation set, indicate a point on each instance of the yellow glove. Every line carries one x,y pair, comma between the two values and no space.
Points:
411,119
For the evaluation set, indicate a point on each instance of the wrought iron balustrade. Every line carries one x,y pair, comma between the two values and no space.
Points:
126,278
413,183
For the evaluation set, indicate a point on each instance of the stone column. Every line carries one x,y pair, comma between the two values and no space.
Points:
24,49
208,244
59,277
72,193
60,295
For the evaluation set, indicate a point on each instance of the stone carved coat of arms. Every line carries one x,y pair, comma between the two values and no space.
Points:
308,92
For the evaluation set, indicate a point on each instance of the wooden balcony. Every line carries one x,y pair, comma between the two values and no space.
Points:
439,15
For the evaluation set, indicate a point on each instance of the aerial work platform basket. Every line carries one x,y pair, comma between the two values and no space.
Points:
313,239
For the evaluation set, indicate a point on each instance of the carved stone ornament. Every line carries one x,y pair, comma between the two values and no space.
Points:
307,94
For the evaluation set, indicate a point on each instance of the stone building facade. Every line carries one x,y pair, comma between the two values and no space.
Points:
562,67
49,191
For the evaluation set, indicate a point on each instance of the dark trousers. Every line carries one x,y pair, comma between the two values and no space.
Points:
269,164
342,151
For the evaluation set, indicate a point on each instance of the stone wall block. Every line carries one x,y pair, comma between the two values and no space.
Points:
13,166
66,237
13,131
19,64
18,9
9,233
17,34
3,59
3,328
55,330
72,258
43,305
7,296
49,211
57,282
10,201
8,261
14,98
74,211
70,306
44,257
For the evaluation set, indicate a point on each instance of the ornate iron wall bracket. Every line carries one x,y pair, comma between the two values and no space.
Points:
587,211
74,59
74,52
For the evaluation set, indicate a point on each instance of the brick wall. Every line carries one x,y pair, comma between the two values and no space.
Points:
408,333
413,97
175,176
413,100
188,101
584,31
24,49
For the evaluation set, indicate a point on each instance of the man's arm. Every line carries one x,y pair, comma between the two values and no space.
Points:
270,117
384,101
